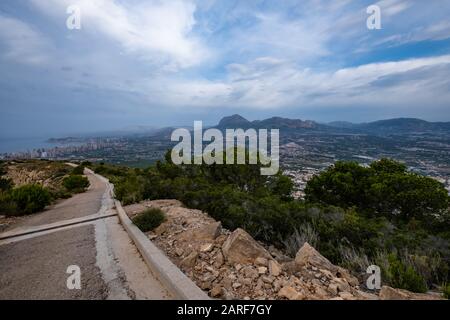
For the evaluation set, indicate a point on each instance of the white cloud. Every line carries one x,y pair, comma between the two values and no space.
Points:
157,31
270,84
22,43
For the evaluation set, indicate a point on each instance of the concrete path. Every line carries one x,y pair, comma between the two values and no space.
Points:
81,231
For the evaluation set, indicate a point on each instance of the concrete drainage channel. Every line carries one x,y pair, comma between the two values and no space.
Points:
169,274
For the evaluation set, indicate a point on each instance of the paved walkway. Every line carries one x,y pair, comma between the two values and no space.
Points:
82,231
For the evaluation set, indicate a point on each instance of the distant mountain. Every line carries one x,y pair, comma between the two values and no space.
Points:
382,127
237,121
402,125
234,121
393,126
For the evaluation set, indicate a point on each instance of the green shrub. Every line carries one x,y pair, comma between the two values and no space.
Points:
76,183
6,184
403,276
446,290
149,219
79,170
7,206
30,198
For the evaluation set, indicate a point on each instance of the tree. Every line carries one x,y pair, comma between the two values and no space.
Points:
385,188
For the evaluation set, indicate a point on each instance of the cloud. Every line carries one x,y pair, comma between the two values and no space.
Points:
159,32
22,43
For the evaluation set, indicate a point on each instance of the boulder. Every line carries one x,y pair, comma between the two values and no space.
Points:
290,293
240,247
204,233
274,268
307,255
190,260
388,293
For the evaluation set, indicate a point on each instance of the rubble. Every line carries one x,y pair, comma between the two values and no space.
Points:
232,265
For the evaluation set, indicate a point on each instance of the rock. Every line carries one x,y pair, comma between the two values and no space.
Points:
261,262
308,255
190,260
262,270
290,293
237,285
290,267
320,292
347,296
267,279
247,282
179,252
216,291
342,284
207,247
208,232
219,260
274,268
366,296
240,247
250,272
342,273
333,289
388,293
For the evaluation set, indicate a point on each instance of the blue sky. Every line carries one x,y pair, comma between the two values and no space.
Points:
161,63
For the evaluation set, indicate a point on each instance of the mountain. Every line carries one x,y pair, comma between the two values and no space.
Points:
404,125
237,121
234,121
382,127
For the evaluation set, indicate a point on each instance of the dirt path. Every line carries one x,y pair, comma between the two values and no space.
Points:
33,266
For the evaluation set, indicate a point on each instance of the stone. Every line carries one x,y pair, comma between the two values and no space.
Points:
342,284
250,272
366,296
261,262
342,273
207,247
262,270
219,260
290,293
388,293
240,247
237,285
290,267
267,279
274,268
307,255
333,289
216,291
347,296
206,232
190,260
179,252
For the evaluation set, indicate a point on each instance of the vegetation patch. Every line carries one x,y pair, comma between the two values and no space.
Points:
149,219
76,183
353,214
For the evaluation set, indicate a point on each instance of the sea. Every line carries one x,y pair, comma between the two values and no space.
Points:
8,145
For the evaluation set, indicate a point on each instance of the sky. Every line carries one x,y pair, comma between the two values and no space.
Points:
160,63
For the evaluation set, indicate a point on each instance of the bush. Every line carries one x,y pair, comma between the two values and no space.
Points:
149,219
403,276
79,170
7,205
446,290
76,183
6,184
30,198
